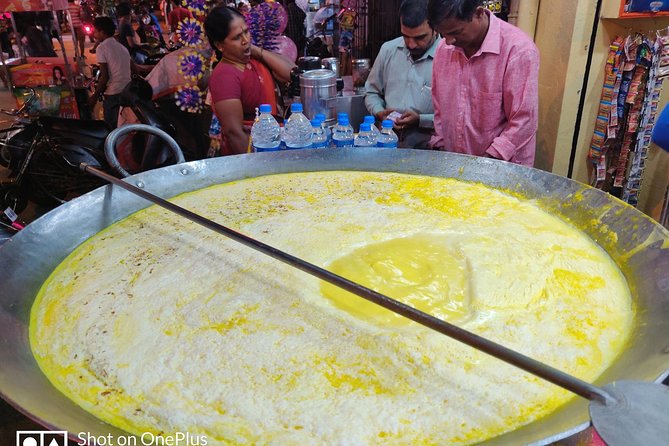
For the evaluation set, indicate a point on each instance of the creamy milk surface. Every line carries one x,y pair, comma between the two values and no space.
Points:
157,324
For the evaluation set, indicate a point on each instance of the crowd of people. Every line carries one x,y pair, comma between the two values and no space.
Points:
461,80
457,78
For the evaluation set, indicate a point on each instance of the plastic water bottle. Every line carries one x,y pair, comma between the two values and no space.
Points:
328,131
342,134
371,120
319,140
297,130
387,138
266,132
365,137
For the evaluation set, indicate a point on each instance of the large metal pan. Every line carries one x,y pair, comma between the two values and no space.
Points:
636,243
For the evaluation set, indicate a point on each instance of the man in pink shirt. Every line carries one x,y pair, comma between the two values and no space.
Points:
484,84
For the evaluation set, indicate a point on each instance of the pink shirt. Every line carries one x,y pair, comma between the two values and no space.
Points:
488,104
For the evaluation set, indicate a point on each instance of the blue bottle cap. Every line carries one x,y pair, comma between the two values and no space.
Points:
365,127
315,122
296,107
343,120
387,124
320,117
342,115
369,119
265,108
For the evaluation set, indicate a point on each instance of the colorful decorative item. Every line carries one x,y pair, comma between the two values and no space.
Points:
345,41
190,32
192,65
286,47
189,99
347,18
197,7
323,15
627,112
266,22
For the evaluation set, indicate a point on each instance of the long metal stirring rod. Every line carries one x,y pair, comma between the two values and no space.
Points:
564,380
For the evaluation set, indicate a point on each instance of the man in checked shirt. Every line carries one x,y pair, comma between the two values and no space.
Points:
485,84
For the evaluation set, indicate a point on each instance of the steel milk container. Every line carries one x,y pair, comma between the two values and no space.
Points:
316,87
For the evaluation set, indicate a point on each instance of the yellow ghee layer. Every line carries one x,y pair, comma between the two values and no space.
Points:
157,324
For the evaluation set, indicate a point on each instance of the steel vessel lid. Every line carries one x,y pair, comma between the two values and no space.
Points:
317,78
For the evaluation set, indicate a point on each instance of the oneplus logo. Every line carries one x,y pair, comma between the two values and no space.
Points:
41,438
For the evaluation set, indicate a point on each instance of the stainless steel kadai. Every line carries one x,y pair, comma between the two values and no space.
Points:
641,249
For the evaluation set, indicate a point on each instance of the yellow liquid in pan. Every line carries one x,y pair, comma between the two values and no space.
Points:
421,271
158,325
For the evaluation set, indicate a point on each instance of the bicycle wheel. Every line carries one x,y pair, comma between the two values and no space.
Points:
52,181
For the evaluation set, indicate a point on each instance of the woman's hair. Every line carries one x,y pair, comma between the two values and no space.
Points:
440,10
217,23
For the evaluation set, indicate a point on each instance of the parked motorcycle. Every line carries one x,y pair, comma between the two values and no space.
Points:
42,155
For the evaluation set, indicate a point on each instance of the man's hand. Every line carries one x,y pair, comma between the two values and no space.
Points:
407,120
383,114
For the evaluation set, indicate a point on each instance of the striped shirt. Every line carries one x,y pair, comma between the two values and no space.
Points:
75,16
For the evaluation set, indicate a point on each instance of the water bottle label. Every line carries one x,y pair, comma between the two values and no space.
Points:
296,148
319,145
389,145
265,149
343,143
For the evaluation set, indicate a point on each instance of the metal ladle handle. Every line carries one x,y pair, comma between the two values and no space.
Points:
544,371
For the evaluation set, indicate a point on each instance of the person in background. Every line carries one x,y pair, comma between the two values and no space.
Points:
45,22
165,9
74,9
33,39
177,14
126,33
401,77
115,70
485,89
5,35
243,79
149,30
87,14
244,7
295,28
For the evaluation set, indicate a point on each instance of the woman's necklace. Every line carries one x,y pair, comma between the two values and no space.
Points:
240,66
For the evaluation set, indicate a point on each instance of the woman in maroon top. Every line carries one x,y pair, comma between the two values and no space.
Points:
243,78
